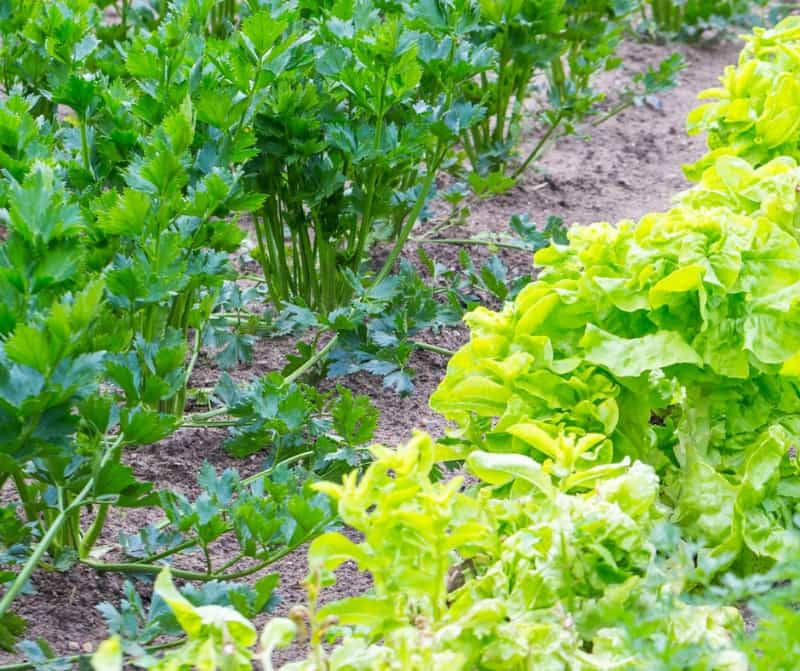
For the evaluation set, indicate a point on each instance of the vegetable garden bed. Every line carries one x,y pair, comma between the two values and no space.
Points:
631,166
620,173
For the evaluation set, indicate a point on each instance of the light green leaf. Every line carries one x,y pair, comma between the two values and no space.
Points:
499,469
630,357
332,549
186,614
108,656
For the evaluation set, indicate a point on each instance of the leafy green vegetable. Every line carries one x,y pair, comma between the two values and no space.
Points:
646,378
544,58
680,317
350,138
499,578
756,115
676,338
704,19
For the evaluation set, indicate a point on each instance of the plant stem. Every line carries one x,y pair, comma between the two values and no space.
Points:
412,218
539,146
252,278
366,221
268,471
28,504
216,412
76,659
231,562
312,361
501,101
211,424
251,94
432,348
621,107
478,242
559,76
87,164
88,541
41,548
140,567
193,360
169,552
469,148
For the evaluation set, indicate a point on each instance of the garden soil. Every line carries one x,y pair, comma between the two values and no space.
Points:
631,165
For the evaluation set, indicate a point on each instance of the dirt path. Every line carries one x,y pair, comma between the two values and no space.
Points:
631,166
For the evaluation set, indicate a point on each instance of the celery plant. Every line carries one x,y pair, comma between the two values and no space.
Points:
691,18
549,48
350,146
223,17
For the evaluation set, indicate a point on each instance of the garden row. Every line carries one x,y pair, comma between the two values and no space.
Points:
140,147
131,147
632,421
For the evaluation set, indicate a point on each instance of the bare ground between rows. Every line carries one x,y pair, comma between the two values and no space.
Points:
631,166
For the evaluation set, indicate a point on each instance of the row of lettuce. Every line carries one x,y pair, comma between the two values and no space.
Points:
631,424
140,142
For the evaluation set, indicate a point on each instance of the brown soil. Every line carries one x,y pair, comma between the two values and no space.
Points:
631,165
